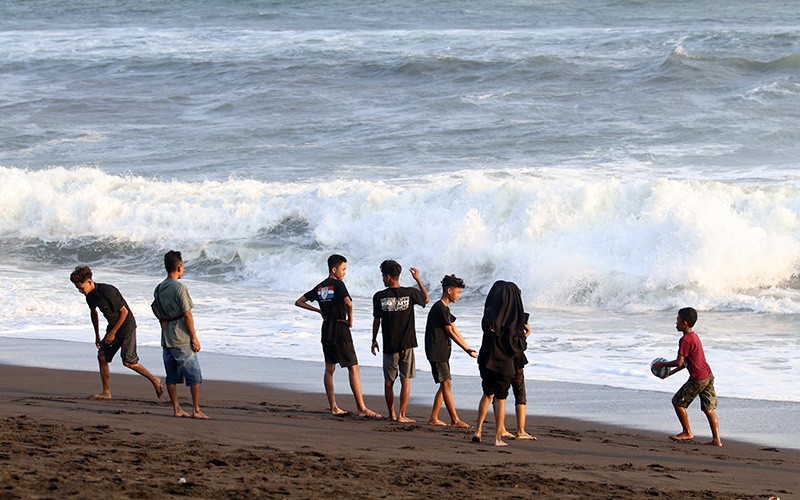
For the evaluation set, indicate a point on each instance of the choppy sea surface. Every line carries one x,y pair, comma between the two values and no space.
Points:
617,160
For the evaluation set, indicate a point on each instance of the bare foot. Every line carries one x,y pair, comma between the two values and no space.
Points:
437,423
102,395
159,387
506,435
476,438
179,413
337,411
461,424
525,436
405,420
200,415
499,442
682,437
715,442
366,412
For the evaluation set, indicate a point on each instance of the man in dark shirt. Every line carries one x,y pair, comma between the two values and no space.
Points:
393,313
120,332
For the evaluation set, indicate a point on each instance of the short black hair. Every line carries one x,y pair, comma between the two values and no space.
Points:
391,268
689,315
80,274
335,260
451,280
172,260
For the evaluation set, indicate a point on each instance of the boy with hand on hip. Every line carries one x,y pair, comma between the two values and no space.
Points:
336,309
700,383
440,332
393,313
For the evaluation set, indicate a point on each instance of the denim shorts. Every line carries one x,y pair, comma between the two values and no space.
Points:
404,360
181,364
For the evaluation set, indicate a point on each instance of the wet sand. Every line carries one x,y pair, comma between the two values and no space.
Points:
264,442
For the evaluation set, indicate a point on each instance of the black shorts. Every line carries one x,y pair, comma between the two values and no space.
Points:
494,384
518,386
342,354
440,371
126,342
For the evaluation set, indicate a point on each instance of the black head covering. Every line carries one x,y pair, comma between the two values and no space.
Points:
503,310
503,324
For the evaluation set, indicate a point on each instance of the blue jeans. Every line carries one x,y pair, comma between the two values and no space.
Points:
181,364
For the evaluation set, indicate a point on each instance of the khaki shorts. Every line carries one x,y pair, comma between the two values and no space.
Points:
402,362
693,388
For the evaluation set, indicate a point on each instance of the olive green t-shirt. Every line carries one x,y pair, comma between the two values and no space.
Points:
175,301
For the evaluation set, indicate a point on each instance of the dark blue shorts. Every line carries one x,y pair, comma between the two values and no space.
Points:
181,364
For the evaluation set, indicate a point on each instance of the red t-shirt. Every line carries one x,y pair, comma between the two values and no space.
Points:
691,349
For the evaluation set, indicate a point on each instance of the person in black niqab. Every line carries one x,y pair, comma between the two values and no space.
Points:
505,327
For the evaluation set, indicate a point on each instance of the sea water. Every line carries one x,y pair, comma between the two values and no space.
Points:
617,159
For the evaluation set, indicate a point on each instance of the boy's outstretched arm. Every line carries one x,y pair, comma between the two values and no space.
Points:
679,363
454,334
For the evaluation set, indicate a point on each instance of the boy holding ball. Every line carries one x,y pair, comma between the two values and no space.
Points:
700,383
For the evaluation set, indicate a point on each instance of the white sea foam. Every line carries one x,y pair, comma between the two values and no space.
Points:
631,244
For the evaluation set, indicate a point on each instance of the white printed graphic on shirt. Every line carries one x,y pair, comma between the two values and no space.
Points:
393,304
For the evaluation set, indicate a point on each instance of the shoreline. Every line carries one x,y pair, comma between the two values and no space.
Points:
264,442
743,420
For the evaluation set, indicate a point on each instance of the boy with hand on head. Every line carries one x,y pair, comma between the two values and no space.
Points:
120,332
393,313
700,383
179,342
440,332
336,309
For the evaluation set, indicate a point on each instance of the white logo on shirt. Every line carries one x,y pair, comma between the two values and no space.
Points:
394,304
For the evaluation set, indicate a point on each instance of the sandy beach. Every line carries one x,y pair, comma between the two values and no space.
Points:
263,442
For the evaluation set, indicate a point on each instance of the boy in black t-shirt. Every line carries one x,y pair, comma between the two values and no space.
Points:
393,313
120,332
336,310
439,331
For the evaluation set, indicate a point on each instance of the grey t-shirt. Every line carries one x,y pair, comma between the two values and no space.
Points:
175,301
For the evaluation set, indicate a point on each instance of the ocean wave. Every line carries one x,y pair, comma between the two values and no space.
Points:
566,238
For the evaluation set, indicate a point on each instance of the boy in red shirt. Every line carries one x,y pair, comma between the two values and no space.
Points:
700,383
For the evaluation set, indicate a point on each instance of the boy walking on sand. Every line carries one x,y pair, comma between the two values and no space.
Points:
120,332
393,313
440,332
179,342
336,309
701,380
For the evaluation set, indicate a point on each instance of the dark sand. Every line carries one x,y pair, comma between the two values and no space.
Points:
262,442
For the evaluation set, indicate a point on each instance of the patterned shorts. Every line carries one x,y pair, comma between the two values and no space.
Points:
693,388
